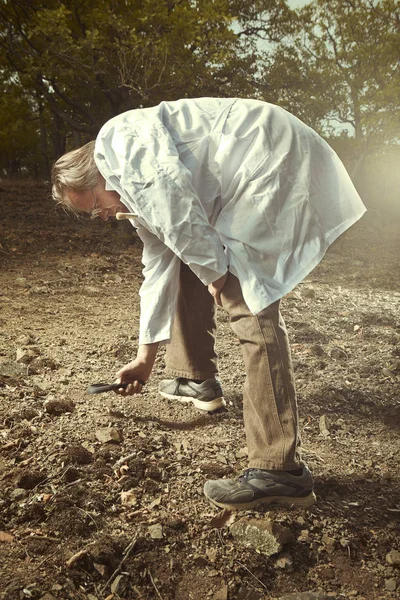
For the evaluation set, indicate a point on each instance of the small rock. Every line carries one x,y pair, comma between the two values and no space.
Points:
25,356
263,535
304,536
222,593
324,425
48,597
242,453
155,531
22,282
309,292
58,407
284,561
108,435
221,458
17,494
393,557
391,584
245,593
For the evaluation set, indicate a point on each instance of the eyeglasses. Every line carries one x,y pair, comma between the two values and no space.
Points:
96,210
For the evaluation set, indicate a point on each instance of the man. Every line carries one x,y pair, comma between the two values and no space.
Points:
236,201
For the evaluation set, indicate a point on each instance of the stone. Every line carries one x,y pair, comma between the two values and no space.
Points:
309,292
391,585
324,425
17,494
284,561
155,531
107,435
393,557
222,593
24,356
262,535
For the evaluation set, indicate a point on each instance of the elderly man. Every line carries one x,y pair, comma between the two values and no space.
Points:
236,201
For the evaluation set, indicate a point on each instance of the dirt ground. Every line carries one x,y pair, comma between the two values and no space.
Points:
142,527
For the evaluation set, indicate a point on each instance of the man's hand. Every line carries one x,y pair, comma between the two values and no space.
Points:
216,287
137,372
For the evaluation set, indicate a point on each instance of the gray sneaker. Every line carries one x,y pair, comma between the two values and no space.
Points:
257,486
207,395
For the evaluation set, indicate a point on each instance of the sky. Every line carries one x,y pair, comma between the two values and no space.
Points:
297,3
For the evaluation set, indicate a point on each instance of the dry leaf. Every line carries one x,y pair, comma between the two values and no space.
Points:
223,519
6,537
128,498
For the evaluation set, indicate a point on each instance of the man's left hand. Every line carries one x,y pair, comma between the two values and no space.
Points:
216,288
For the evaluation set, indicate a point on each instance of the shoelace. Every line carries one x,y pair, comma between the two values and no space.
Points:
246,475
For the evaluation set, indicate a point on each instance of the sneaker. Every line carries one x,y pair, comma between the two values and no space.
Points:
257,486
207,395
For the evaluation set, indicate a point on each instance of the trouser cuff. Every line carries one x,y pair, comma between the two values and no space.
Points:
273,466
190,374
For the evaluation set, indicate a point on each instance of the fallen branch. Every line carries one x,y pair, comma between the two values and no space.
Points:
127,552
154,585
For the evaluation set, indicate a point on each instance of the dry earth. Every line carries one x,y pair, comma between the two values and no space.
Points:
69,317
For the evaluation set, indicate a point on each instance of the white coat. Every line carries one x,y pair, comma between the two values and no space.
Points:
224,184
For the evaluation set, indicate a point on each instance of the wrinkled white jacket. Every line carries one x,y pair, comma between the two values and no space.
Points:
224,184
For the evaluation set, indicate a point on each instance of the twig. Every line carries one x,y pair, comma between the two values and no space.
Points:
123,459
71,561
154,585
252,574
127,552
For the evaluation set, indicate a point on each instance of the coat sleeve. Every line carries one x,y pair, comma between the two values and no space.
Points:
159,290
144,158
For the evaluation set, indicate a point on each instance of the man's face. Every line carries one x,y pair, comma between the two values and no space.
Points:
97,202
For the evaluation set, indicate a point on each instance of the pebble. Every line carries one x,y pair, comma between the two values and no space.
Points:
155,531
108,435
18,494
393,557
390,584
284,561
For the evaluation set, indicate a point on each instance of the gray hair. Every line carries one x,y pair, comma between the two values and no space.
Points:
76,171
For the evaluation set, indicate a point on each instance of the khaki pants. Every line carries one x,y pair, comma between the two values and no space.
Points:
269,397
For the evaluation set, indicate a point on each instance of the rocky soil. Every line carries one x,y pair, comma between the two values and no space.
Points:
101,497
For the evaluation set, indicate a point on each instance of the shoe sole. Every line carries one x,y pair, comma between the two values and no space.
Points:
287,502
208,405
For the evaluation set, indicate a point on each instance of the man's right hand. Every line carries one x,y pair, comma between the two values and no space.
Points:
137,372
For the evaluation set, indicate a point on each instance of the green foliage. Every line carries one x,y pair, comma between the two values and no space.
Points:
342,67
68,66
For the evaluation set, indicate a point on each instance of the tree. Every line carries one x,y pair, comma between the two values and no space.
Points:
83,61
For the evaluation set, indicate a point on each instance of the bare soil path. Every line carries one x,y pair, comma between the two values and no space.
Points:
73,526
